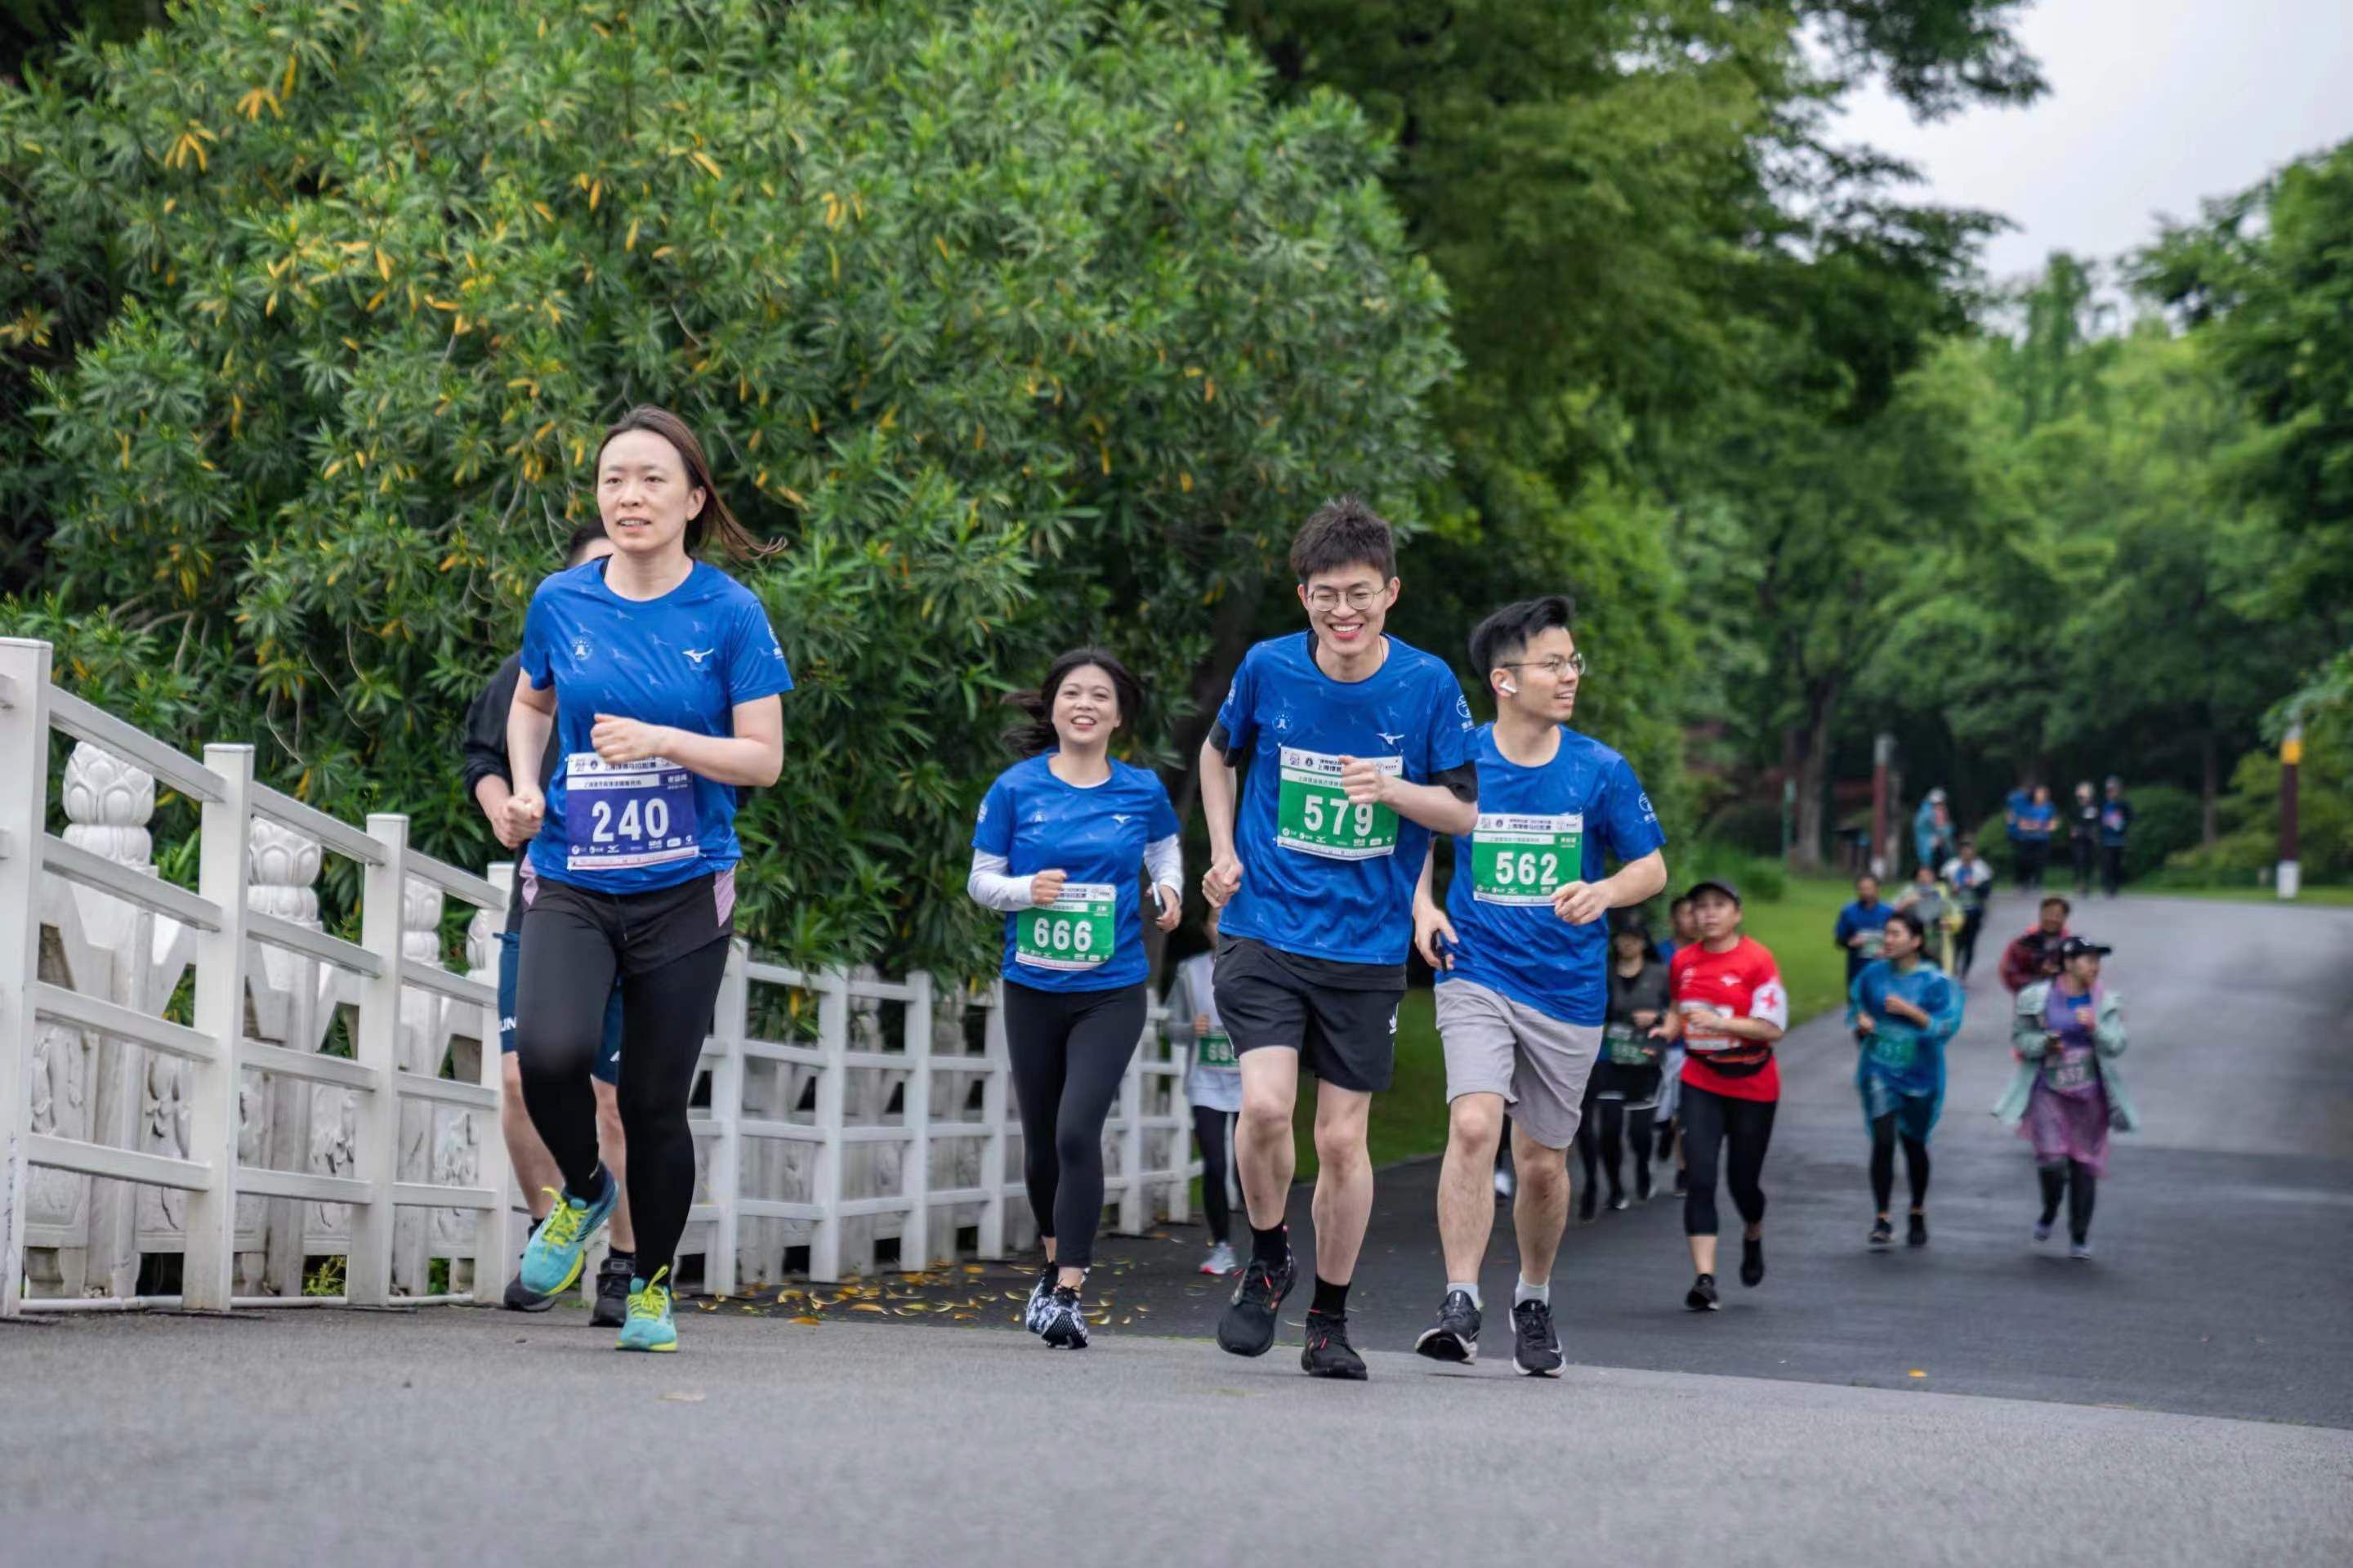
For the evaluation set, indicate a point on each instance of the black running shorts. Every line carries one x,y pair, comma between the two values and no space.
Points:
1344,1034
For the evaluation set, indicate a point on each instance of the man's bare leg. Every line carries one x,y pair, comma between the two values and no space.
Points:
1466,1193
1344,1180
534,1167
615,1152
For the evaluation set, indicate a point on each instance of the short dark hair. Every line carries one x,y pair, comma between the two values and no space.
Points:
1510,630
1344,533
1863,877
588,533
2064,907
1037,733
1678,902
1910,921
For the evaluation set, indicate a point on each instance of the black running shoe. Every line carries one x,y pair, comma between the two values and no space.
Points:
1918,1234
1065,1326
1883,1236
519,1300
1752,1262
1701,1296
1328,1353
1041,1297
1617,1200
613,1280
1586,1206
1535,1343
1248,1327
1455,1336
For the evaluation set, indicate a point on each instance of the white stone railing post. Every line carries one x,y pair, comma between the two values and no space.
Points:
421,1044
498,1238
208,1226
995,1091
24,796
832,1094
283,864
1135,1198
730,1027
916,1116
368,1264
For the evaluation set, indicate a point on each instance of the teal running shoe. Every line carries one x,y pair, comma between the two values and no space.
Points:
649,1327
551,1263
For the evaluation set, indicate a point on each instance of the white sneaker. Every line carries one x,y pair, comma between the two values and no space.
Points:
1221,1260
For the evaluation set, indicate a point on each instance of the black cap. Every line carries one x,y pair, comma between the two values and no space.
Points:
1717,882
2079,946
1629,922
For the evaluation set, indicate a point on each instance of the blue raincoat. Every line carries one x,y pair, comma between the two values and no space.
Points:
1900,1064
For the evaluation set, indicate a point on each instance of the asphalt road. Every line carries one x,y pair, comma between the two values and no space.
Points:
2222,1272
2066,1410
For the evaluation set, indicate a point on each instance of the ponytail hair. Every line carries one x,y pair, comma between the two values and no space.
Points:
716,517
1036,733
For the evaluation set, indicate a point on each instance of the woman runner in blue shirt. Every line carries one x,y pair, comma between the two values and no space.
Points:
1903,1010
658,680
1060,836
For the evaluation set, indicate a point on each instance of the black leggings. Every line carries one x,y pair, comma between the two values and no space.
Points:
1213,1133
1608,1128
572,947
1709,1120
1883,1140
2085,852
1965,944
2082,1189
1070,1049
2032,856
2112,868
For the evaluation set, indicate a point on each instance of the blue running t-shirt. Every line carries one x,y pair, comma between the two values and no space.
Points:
1540,828
1090,938
685,659
1321,878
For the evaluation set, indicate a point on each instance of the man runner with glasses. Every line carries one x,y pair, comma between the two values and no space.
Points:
1521,950
1358,750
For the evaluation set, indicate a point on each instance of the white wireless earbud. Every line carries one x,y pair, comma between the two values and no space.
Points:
1509,689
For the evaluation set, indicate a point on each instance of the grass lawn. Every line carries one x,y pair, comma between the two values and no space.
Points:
1410,1120
2339,896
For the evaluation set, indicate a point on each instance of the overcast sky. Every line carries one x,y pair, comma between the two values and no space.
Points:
2152,105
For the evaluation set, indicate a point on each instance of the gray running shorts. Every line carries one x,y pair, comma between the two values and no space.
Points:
1498,1046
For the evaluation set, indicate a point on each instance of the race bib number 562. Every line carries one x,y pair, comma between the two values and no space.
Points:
1313,816
1526,860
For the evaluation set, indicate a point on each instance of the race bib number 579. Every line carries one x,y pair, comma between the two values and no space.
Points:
1314,815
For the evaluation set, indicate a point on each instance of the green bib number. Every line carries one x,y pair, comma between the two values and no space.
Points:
1312,814
1890,1049
1074,932
1526,860
1627,1047
1214,1049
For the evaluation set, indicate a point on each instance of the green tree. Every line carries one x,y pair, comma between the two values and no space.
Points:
1016,325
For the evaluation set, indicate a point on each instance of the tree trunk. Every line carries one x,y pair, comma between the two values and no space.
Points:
1812,744
1232,630
2210,786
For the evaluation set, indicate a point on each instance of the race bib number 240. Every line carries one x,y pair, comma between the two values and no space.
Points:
618,815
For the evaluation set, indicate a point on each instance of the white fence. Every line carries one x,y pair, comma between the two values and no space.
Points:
210,1076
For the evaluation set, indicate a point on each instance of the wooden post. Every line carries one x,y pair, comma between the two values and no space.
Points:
916,1116
24,817
367,1270
731,1024
208,1268
994,1092
832,1150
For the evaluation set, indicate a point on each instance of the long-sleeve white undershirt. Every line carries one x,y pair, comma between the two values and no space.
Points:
992,888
